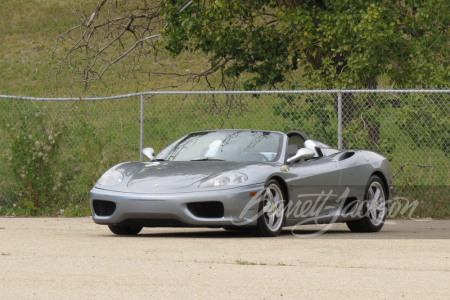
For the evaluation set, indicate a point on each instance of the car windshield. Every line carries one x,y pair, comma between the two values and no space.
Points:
224,145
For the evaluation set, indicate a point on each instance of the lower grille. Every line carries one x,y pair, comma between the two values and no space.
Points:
212,209
104,208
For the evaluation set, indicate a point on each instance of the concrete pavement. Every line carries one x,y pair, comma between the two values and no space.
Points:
49,258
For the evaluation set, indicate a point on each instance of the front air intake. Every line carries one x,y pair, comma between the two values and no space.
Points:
104,208
212,209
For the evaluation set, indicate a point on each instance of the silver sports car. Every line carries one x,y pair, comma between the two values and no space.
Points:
256,180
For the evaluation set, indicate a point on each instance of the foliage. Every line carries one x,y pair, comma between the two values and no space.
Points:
356,136
51,174
341,43
365,128
314,115
35,145
426,122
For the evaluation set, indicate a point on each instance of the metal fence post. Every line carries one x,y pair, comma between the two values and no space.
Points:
141,131
339,120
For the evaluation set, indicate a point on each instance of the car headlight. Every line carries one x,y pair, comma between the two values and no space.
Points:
228,178
111,178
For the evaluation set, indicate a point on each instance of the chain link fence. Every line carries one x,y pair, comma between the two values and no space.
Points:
53,150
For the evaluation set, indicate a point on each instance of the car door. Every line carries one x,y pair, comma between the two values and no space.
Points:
315,187
355,173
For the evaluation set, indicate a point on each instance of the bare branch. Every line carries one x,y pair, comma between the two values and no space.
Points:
402,167
133,25
95,13
131,49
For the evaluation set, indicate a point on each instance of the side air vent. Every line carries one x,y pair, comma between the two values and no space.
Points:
104,208
346,155
212,209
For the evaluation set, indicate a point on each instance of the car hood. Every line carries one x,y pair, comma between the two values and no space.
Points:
183,177
176,174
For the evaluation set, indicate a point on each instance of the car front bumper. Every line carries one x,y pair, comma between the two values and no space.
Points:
171,210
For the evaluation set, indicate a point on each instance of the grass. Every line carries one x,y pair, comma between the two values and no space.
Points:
247,263
102,134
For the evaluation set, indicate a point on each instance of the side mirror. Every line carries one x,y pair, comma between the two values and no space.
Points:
302,153
149,153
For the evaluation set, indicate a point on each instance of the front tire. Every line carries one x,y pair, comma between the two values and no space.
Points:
271,216
375,208
124,230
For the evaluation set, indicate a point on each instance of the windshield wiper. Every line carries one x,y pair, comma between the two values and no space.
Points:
207,159
158,159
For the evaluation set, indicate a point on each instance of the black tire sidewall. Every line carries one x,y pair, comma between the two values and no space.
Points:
125,230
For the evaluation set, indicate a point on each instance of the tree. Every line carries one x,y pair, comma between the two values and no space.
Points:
339,43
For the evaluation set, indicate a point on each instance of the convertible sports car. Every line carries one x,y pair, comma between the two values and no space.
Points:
257,180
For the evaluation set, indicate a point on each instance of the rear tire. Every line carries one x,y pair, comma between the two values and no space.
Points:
374,210
271,217
125,230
